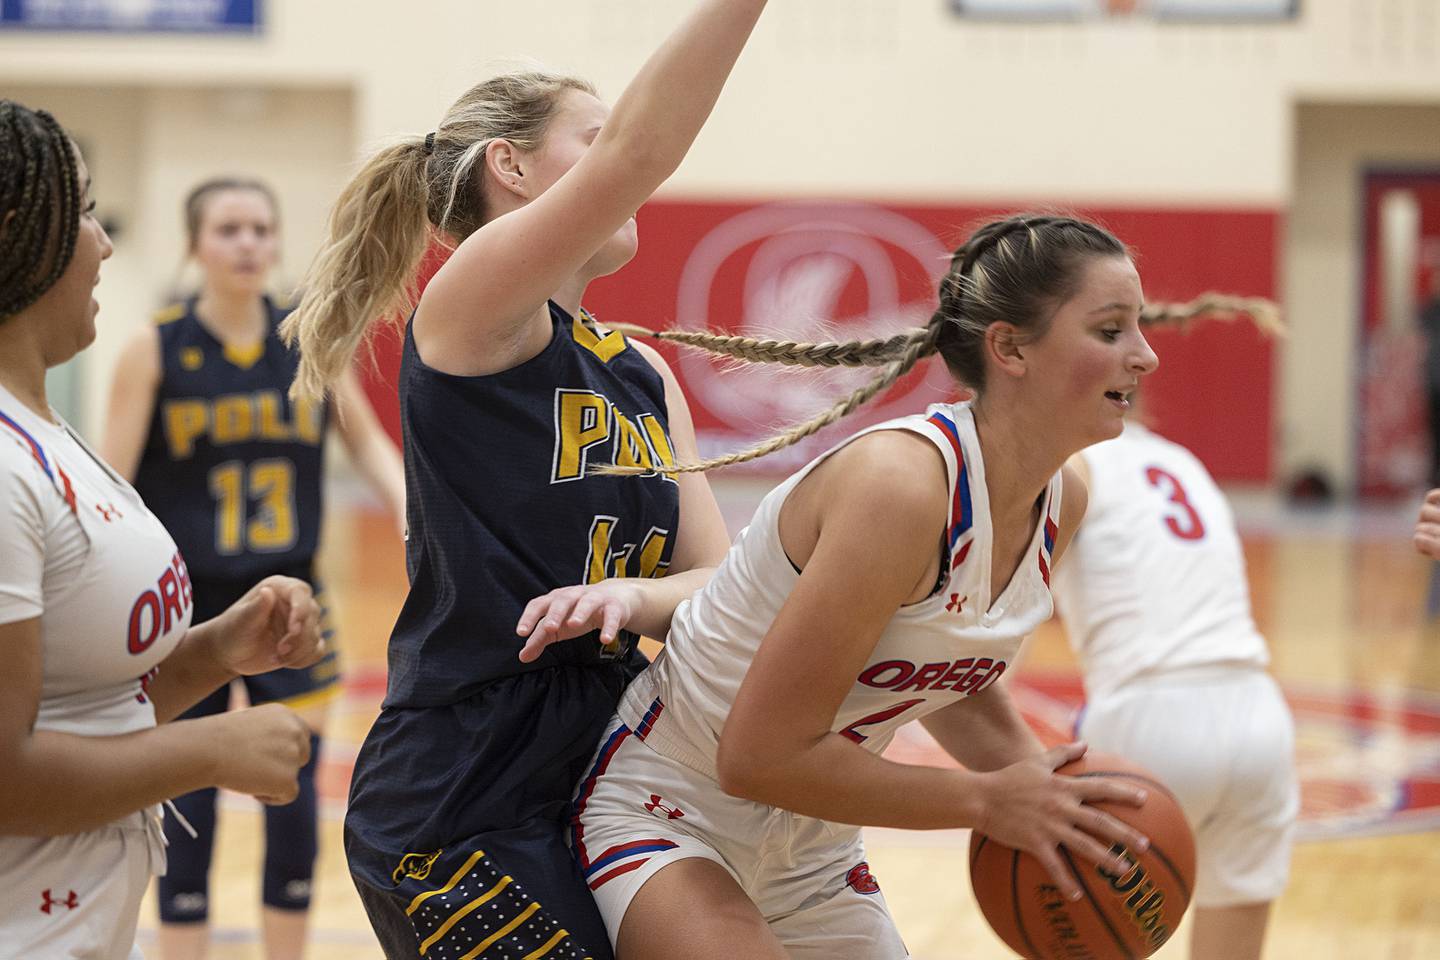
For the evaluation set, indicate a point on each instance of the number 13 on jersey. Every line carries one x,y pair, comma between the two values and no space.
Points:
268,527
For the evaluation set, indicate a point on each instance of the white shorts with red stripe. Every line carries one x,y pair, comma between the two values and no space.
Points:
638,811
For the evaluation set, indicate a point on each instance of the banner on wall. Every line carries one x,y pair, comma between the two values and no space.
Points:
1148,9
133,16
842,270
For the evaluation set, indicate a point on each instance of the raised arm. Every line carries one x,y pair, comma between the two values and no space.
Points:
508,268
132,402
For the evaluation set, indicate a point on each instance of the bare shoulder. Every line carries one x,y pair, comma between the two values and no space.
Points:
897,474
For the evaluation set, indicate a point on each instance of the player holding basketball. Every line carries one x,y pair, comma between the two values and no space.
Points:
1157,606
96,608
892,579
508,389
199,420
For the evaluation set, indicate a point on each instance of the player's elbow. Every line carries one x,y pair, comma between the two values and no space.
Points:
741,770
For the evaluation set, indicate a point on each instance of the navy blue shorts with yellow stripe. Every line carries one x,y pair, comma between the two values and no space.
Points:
458,814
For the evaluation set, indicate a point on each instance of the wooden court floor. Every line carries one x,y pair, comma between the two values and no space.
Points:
1341,598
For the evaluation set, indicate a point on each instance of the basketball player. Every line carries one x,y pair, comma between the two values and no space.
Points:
96,607
510,391
892,579
199,420
1156,604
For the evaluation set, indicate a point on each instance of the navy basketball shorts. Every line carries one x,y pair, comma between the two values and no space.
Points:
455,832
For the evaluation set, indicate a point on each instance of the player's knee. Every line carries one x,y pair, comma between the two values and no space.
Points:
184,890
291,844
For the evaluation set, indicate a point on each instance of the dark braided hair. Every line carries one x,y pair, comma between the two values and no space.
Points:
39,205
1016,270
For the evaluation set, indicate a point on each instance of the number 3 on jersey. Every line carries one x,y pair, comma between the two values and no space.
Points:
1185,523
270,527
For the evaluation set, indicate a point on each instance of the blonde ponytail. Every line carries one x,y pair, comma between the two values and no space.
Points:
365,270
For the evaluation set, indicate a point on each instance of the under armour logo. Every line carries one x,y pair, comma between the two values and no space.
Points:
956,603
109,512
48,903
671,813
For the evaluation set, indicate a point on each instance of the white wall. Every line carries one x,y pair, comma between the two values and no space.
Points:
882,99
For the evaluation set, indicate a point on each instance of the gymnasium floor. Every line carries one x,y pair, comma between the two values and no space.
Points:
1341,597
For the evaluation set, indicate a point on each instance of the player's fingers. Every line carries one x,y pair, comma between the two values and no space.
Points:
583,612
1430,513
1057,757
1050,859
1087,848
611,625
534,611
546,632
1428,543
1110,829
1433,496
1102,789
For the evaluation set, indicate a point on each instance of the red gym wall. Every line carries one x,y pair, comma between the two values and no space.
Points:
829,270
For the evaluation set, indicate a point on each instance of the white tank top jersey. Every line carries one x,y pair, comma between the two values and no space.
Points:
1154,579
82,553
953,644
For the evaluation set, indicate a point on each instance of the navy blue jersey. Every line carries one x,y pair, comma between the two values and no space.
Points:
231,467
503,507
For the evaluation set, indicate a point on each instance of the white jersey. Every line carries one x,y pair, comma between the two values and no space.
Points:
83,554
955,643
1154,580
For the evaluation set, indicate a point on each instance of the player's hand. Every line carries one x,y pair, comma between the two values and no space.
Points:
571,612
1427,528
259,751
1030,807
276,624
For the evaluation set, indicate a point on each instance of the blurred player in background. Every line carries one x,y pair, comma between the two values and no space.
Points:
200,421
1156,603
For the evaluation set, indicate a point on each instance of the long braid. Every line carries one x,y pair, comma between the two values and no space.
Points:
919,344
794,353
39,205
1222,306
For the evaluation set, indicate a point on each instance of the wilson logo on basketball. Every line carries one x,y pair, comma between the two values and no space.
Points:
1144,905
859,877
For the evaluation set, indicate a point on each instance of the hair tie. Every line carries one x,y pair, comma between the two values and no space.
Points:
429,143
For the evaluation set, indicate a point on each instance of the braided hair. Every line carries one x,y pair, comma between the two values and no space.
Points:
40,202
1016,270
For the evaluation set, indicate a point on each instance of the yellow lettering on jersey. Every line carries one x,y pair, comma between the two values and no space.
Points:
582,419
185,422
606,347
661,453
651,550
632,450
597,561
246,355
308,417
272,423
234,420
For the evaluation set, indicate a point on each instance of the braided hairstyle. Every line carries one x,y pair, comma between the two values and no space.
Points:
40,202
1018,270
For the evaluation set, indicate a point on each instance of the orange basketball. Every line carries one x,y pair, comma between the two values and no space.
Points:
1130,914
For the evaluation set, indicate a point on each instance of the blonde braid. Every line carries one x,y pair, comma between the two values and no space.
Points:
1223,306
920,344
791,353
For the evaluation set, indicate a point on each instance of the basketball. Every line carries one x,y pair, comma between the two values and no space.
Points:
1120,915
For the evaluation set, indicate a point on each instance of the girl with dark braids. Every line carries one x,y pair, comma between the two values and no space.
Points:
890,580
96,607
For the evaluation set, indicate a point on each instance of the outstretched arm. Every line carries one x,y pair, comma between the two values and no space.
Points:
507,269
